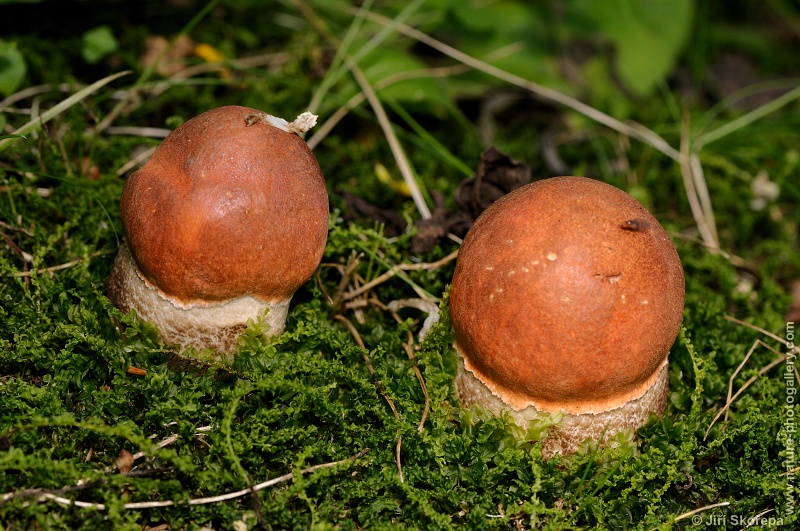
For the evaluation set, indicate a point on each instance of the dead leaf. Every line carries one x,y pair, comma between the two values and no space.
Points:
136,371
497,174
124,462
173,61
431,230
393,222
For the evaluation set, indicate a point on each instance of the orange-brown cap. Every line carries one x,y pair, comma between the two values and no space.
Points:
567,296
224,209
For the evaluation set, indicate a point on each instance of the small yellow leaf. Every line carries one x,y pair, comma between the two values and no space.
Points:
208,53
399,187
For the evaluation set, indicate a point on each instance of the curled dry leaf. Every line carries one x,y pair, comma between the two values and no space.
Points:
433,229
173,61
497,174
124,462
393,222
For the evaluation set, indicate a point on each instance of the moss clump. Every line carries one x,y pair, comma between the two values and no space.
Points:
81,396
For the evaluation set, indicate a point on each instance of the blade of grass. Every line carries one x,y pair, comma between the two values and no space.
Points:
746,119
145,75
392,271
705,121
430,140
32,91
337,69
357,99
334,71
48,115
377,107
397,149
688,168
703,213
633,129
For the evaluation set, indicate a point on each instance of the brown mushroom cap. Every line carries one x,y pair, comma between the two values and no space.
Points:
567,297
222,225
223,209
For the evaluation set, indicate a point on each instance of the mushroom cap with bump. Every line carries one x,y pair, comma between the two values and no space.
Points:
222,225
567,297
224,209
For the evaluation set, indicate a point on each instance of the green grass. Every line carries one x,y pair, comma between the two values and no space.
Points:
339,388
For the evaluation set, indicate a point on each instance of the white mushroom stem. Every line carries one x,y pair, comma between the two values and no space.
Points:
216,326
301,124
569,431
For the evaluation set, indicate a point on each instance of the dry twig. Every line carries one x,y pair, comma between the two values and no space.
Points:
59,267
394,271
194,501
408,347
781,357
784,342
344,320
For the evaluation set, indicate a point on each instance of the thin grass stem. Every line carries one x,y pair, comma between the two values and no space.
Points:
38,122
746,119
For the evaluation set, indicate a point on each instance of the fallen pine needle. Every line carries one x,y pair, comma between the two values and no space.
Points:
773,363
792,471
738,370
410,353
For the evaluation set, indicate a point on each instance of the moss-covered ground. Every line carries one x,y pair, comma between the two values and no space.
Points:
354,419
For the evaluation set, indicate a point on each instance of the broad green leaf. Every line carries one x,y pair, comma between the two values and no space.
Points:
647,34
412,85
12,67
97,43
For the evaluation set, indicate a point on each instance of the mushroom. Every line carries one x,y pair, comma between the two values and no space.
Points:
222,225
566,299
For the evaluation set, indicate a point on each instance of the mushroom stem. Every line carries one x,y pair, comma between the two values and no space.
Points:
216,326
567,436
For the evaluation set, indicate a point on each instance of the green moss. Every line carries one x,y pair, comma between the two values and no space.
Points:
69,405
